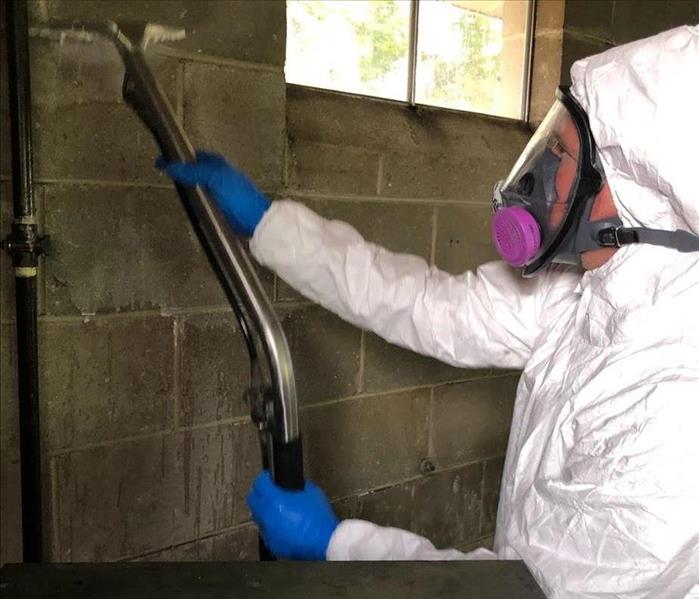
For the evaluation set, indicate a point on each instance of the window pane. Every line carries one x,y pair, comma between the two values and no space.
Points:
471,55
358,46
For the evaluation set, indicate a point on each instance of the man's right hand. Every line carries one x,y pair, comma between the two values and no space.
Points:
238,198
294,524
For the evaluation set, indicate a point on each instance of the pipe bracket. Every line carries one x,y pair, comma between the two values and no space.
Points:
25,245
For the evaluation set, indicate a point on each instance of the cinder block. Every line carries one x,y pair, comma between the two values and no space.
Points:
333,169
593,19
106,379
492,475
347,507
9,408
286,293
471,421
325,353
635,20
7,279
546,74
136,497
390,225
224,460
549,15
5,150
10,499
484,542
339,119
239,545
444,507
546,60
122,500
214,369
575,48
463,135
194,551
82,127
10,512
463,238
244,29
388,366
241,114
435,176
265,275
365,443
117,249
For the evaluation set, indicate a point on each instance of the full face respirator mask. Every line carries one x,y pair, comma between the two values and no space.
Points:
542,209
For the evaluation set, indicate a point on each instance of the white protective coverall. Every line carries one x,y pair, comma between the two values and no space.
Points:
600,493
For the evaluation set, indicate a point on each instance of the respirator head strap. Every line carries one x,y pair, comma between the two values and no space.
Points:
680,240
616,237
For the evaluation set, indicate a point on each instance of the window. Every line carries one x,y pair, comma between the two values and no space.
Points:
463,54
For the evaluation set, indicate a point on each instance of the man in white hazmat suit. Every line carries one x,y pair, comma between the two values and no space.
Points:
600,492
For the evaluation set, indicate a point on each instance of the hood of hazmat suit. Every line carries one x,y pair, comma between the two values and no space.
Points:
600,493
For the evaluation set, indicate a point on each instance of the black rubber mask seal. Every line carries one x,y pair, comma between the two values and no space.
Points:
563,247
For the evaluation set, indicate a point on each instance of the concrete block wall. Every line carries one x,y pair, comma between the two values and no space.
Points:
147,444
148,450
593,27
568,30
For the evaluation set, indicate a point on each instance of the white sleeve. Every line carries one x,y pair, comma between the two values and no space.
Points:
361,540
484,319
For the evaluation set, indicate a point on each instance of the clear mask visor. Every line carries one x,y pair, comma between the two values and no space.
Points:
545,179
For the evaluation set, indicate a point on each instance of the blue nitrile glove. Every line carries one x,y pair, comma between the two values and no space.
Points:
294,524
240,201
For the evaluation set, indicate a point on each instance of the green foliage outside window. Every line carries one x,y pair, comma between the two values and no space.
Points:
383,38
472,79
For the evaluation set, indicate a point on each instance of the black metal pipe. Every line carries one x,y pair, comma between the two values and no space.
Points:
24,245
20,107
30,441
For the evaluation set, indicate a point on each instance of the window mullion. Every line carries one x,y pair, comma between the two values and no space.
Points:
412,50
528,60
